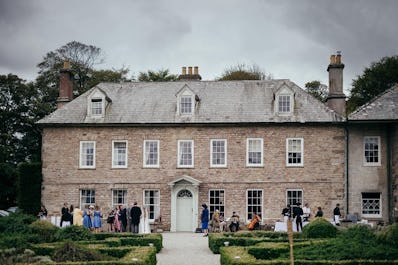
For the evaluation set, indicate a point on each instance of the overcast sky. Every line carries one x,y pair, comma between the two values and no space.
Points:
290,39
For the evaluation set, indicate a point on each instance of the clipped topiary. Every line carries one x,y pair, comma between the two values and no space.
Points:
359,233
45,229
319,228
16,223
389,235
70,251
73,232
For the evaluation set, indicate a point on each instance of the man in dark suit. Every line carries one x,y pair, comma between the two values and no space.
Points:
123,218
135,214
297,213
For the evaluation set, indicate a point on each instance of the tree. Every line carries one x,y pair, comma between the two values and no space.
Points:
243,72
114,76
162,75
318,90
375,79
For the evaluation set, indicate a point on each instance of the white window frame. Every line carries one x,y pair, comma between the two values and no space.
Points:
81,160
144,160
301,152
212,153
279,102
248,164
179,154
292,203
379,215
115,154
93,102
370,164
155,205
183,96
91,198
115,195
217,206
261,204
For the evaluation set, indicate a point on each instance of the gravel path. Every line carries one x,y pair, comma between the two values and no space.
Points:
186,249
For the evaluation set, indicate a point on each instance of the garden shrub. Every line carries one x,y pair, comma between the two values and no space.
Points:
16,223
45,229
358,233
70,251
11,256
389,235
73,232
18,242
319,228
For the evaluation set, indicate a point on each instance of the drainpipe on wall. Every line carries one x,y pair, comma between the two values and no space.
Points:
389,181
347,183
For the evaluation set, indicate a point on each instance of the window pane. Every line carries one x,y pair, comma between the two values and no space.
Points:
87,154
216,198
294,151
371,203
87,197
186,105
254,203
371,149
151,153
284,103
254,152
186,153
119,153
218,152
152,201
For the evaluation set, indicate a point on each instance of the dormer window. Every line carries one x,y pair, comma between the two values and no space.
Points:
97,103
284,100
284,103
96,106
186,105
185,102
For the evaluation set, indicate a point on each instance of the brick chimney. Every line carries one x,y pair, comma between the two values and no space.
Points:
190,76
336,97
65,85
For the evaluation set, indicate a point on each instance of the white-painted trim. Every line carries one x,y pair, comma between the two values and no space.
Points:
302,152
178,154
143,201
367,164
80,155
247,152
247,203
144,151
211,153
113,153
380,215
194,189
125,198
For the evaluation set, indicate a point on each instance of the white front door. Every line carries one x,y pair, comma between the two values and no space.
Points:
184,211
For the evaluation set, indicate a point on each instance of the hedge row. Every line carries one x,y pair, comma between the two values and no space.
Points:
240,256
217,240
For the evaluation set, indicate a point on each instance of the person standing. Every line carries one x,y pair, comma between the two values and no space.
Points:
135,214
297,213
64,211
42,213
286,213
116,223
77,216
87,218
144,227
306,212
110,220
97,219
205,219
215,221
123,217
337,214
319,213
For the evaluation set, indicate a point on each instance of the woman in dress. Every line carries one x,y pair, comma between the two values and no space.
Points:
97,219
43,213
117,225
110,220
77,217
205,220
144,222
87,218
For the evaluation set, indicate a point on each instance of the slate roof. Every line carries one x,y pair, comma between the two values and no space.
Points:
384,107
220,102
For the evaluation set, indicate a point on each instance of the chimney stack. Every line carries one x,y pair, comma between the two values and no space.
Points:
336,97
189,76
65,85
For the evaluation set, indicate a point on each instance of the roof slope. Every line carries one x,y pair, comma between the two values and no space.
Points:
382,107
220,102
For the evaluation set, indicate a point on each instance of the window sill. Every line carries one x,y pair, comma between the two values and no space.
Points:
294,166
86,168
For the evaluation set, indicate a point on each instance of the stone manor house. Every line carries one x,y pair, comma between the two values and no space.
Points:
244,146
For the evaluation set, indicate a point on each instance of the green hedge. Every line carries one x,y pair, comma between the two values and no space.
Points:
216,240
229,254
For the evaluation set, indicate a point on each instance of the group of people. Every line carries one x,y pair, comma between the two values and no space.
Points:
301,215
120,219
135,220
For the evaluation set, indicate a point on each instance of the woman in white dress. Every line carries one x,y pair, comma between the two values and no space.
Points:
144,227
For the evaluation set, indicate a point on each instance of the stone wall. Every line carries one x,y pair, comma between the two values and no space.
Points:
321,178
